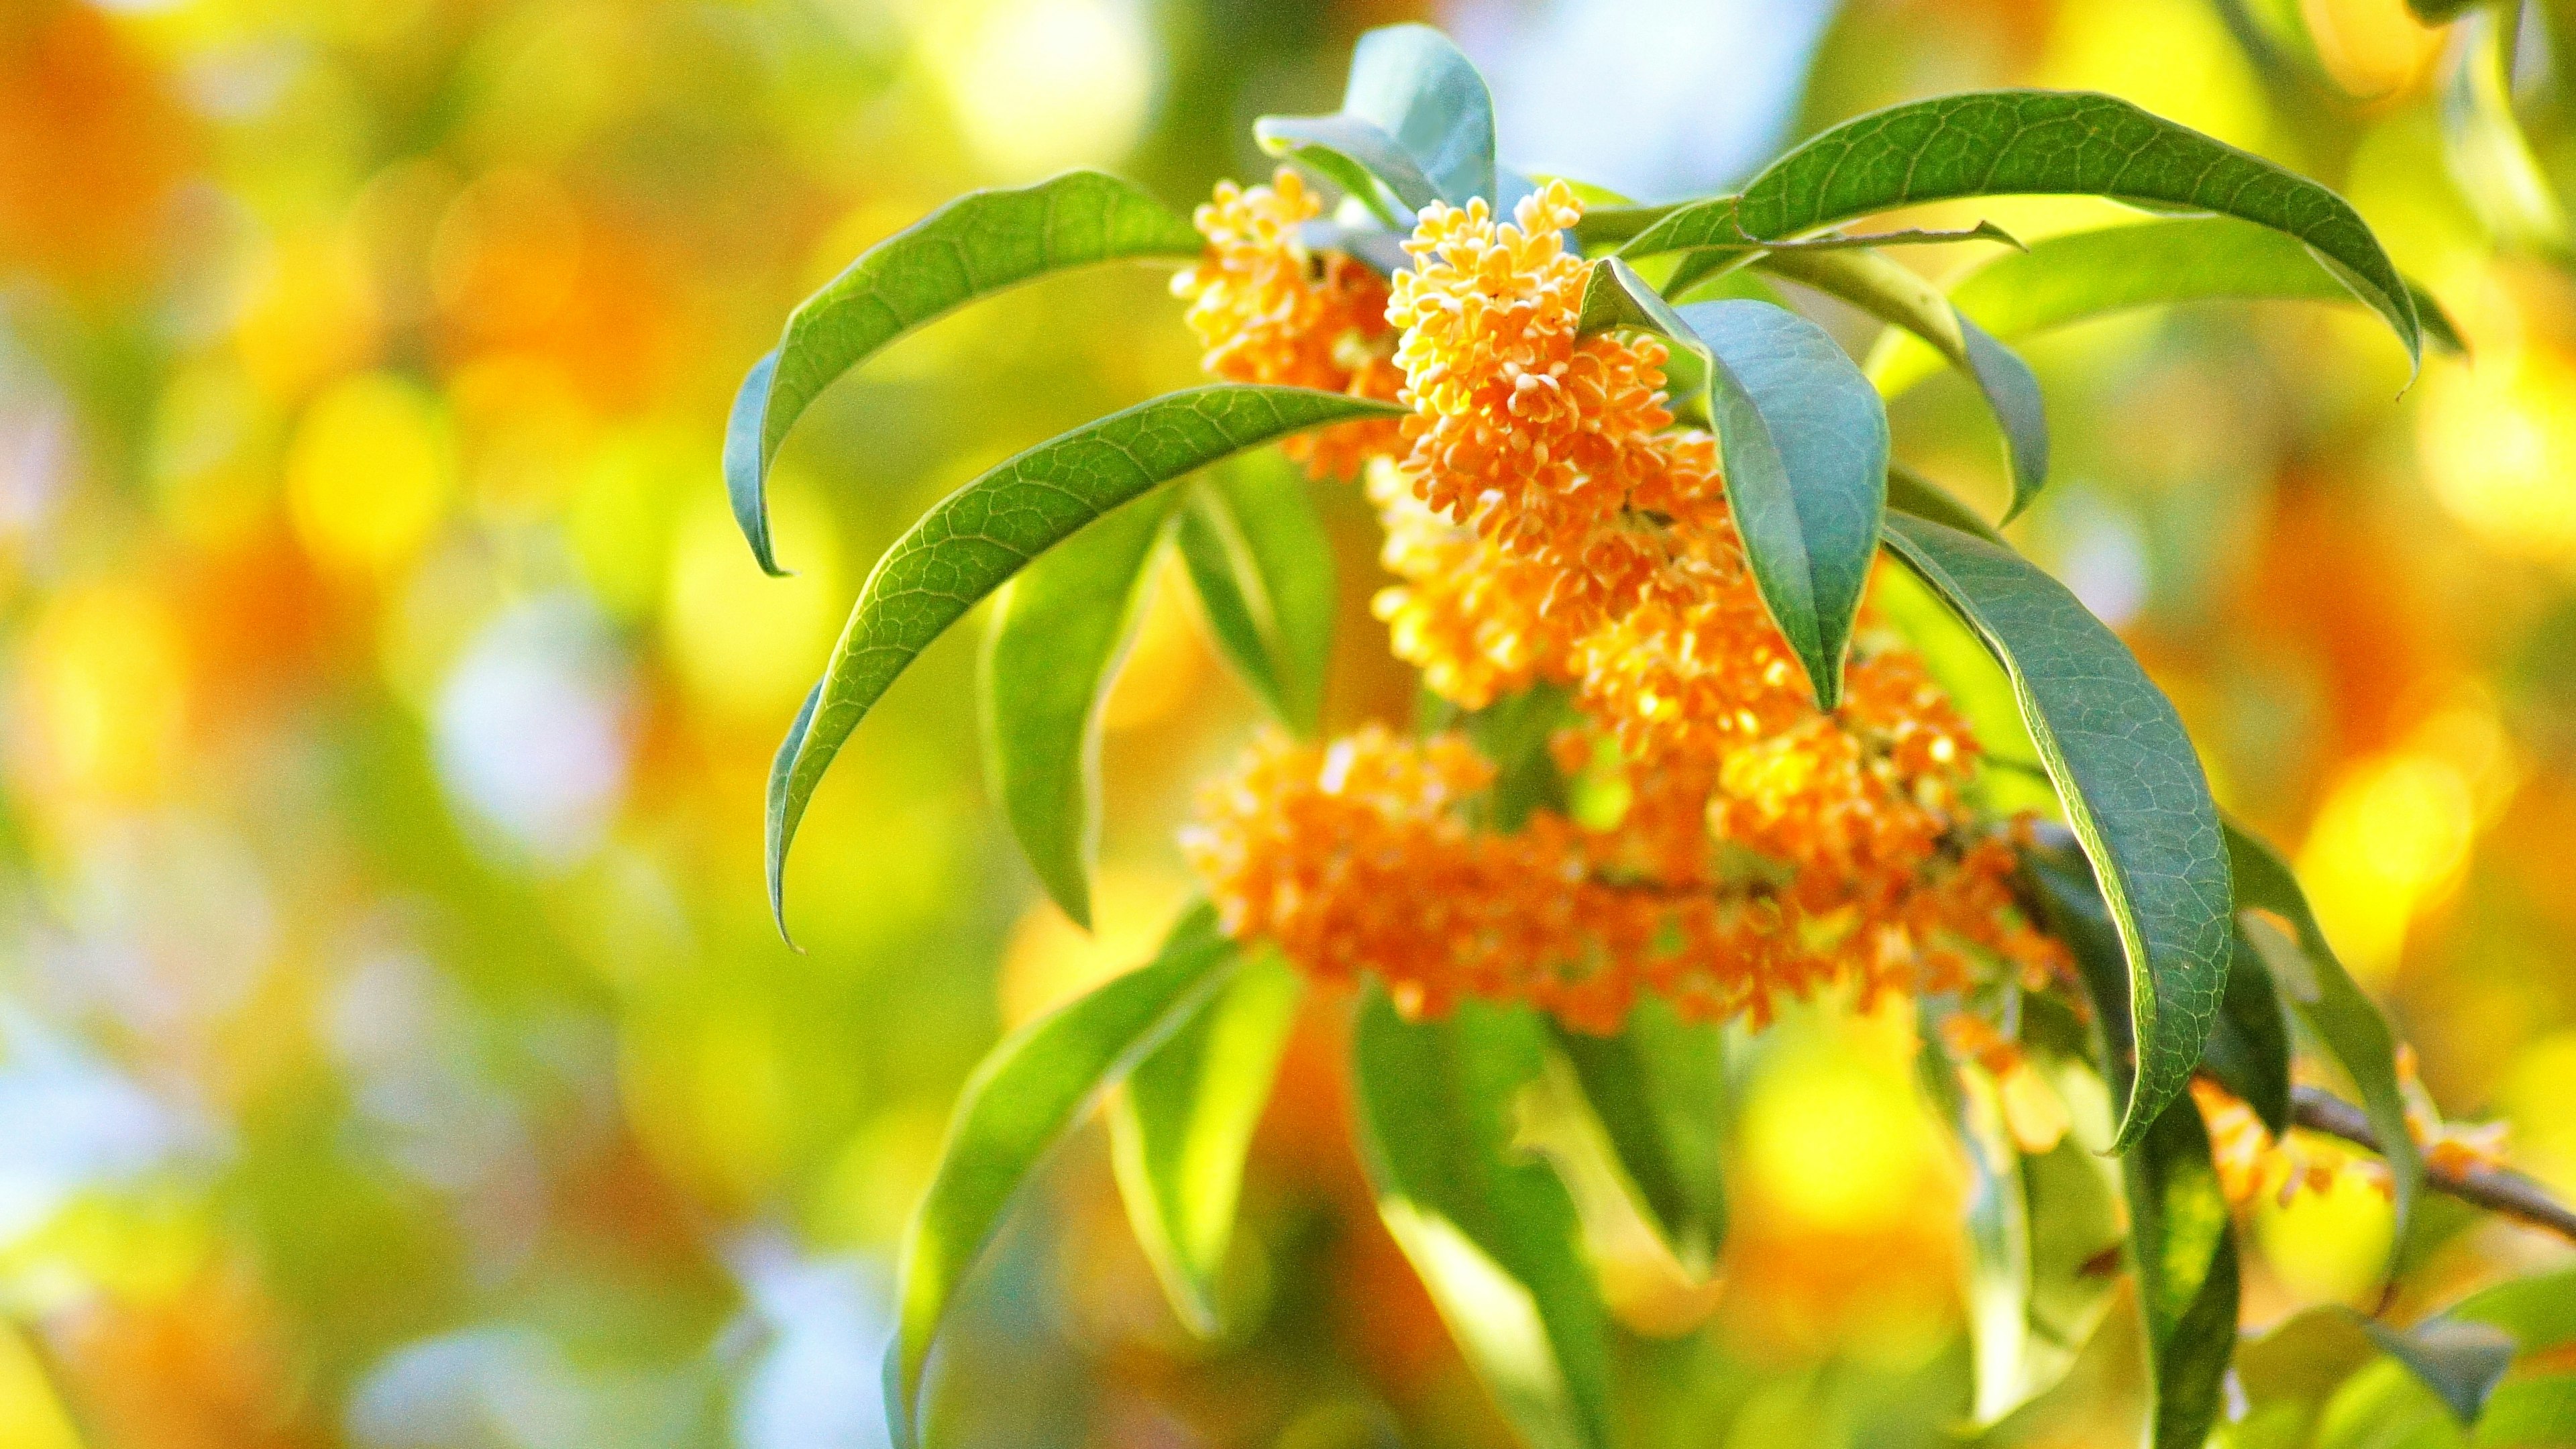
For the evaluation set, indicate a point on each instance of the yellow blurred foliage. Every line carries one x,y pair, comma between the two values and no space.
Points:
106,688
370,475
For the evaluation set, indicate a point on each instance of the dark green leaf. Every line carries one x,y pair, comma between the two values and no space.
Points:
979,244
1410,90
2249,1049
1804,439
1020,1100
1180,1131
2312,979
1905,300
2132,787
1996,143
1490,1229
2185,1247
1263,568
1659,1090
971,543
2088,274
1057,634
2435,12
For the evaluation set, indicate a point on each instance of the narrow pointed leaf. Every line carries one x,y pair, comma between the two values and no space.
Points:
2026,142
1491,1230
1998,1223
2132,787
1659,1090
1415,116
1905,300
1804,439
979,244
2342,1017
2087,274
1057,635
2249,1048
1019,1101
1181,1129
1263,569
971,543
2185,1248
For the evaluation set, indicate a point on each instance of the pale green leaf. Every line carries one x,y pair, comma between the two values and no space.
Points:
1263,569
971,543
1415,115
1057,634
1658,1089
2490,157
2133,791
1020,1100
1182,1127
979,244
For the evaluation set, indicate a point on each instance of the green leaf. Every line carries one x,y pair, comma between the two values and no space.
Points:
1615,296
2185,1247
1263,569
979,244
1659,1090
1057,635
2539,1311
1415,116
1513,732
1491,1231
1998,1222
1911,492
2086,274
2022,142
2132,787
2534,1412
1180,1131
971,543
2249,1048
1904,299
1804,440
2435,12
1020,1100
2489,155
2459,1360
2312,979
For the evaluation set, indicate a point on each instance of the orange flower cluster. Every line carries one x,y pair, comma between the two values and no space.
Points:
1548,525
1269,311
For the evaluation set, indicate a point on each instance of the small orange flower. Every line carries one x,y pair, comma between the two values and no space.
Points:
1269,311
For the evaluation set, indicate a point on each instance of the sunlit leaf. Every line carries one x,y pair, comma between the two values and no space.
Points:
2489,155
1490,1229
979,244
2133,790
2086,274
1180,1130
1911,492
2539,1311
2249,1048
1057,634
1415,116
1020,1100
1263,569
1998,1227
1905,300
1804,439
2185,1248
2021,142
971,543
2344,1019
1659,1091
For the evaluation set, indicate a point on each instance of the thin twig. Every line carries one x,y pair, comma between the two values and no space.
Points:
2494,1188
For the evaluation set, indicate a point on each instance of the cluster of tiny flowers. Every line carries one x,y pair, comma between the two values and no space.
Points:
1547,524
2252,1163
1267,310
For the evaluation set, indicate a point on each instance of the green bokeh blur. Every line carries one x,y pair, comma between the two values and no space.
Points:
394,1046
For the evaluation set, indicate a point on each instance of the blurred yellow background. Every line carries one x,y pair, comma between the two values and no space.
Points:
394,1046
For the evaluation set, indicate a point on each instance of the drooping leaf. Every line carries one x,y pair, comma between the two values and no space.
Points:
1354,154
2133,790
2489,155
1410,89
2312,979
2249,1048
2185,1248
1020,1100
971,543
1057,634
1181,1129
1263,569
1804,439
1904,300
1998,1223
2086,274
1490,1230
979,244
2023,142
1659,1091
